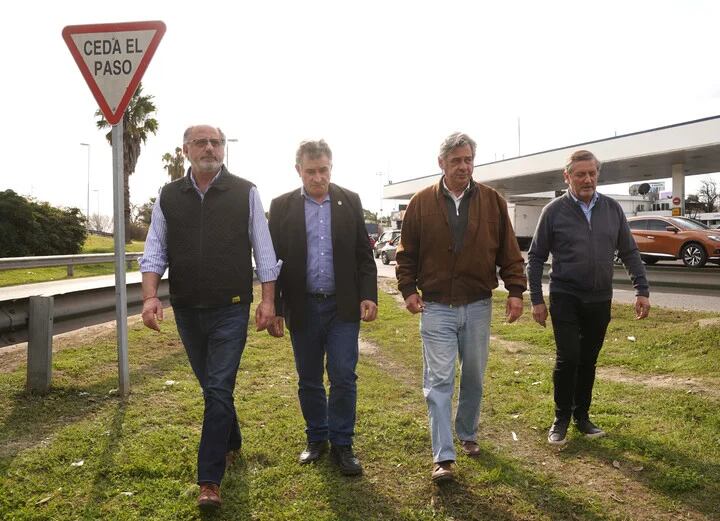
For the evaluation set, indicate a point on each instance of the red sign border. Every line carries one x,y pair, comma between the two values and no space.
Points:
114,117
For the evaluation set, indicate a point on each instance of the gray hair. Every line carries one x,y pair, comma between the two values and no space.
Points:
189,130
313,150
456,140
581,155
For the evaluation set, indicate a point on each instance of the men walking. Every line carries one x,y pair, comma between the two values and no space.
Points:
581,230
203,228
327,285
454,236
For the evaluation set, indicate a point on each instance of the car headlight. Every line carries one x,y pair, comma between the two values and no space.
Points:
714,237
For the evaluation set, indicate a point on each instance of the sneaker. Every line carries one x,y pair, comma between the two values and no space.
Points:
558,432
589,429
443,471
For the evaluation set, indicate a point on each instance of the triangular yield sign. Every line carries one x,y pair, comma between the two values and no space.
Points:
112,59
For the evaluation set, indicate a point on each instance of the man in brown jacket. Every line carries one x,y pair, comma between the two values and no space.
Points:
454,236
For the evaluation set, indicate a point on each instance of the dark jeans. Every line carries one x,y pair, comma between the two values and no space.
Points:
330,418
579,329
214,340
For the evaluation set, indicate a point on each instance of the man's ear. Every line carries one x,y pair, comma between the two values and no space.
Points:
297,169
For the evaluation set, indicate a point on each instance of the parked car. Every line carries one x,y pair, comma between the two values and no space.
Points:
670,238
385,238
387,254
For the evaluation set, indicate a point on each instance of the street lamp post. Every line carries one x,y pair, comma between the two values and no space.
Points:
97,196
87,214
227,153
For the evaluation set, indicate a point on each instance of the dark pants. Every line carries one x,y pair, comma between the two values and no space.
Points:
214,340
324,334
579,329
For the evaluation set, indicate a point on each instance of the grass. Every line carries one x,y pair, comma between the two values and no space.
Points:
93,244
661,459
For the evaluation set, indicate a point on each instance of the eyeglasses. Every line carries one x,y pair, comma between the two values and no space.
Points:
203,142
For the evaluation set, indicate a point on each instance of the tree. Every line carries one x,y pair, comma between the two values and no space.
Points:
30,228
175,165
137,125
369,216
143,213
693,206
709,193
100,223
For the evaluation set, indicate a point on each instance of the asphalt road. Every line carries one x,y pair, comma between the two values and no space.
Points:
627,296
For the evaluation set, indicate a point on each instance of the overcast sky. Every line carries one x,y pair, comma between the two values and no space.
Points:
382,81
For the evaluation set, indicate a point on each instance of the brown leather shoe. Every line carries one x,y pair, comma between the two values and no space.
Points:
209,496
471,448
443,471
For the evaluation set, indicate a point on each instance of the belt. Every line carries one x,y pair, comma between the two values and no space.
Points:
320,296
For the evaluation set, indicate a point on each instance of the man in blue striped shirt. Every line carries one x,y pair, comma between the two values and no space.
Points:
204,228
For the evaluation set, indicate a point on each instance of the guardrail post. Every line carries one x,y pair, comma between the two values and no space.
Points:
70,270
39,351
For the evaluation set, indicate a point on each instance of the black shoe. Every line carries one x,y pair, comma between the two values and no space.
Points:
558,431
589,429
313,451
346,460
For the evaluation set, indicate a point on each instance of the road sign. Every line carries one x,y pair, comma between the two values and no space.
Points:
676,201
112,59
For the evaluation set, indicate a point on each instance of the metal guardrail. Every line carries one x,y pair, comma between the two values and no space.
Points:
71,310
12,263
704,280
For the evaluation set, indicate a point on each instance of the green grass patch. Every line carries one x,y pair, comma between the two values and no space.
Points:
93,244
139,455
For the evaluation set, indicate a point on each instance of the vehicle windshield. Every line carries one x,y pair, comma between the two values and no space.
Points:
688,224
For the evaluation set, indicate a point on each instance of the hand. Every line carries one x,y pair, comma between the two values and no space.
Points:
642,307
264,313
540,313
414,304
368,310
513,309
276,327
152,313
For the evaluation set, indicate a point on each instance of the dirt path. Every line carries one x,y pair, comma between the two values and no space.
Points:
617,484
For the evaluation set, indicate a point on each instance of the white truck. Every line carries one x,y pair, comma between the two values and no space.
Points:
524,217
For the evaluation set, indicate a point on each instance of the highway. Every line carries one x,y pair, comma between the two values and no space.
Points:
668,298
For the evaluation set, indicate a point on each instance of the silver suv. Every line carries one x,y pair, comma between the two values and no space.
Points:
385,238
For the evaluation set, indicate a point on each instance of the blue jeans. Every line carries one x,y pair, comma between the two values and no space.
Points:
326,417
214,339
449,332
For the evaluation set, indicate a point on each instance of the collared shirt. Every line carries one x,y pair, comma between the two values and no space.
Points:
320,272
454,197
586,208
267,266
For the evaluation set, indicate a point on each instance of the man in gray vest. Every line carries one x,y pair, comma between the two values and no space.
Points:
581,230
204,227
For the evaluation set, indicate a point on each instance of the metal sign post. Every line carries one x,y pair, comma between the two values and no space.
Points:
112,58
119,234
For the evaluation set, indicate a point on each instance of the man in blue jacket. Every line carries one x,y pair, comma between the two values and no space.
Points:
581,230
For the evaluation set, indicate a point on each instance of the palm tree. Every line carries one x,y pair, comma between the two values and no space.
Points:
137,125
175,165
